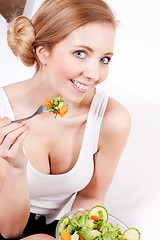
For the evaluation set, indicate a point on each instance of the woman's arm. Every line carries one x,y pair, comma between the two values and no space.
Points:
14,194
113,137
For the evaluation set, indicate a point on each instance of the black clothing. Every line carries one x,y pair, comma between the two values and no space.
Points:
36,226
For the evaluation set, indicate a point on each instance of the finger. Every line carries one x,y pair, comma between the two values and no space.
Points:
5,130
5,121
11,151
12,137
18,143
15,155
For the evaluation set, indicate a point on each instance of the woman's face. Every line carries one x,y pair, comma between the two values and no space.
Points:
81,61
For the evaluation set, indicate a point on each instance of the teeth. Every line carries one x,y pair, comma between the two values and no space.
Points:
81,86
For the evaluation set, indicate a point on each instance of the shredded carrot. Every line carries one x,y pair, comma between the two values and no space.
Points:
47,103
95,218
65,236
63,110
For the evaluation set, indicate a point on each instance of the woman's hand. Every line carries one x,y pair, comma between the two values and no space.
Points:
13,175
11,138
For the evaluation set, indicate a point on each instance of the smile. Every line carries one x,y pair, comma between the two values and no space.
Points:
81,86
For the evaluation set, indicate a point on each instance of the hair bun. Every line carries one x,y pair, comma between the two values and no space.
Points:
20,36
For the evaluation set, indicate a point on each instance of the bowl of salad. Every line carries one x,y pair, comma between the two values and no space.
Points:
93,224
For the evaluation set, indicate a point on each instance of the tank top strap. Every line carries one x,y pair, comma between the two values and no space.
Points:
97,110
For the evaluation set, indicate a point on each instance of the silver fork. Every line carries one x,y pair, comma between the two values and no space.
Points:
41,109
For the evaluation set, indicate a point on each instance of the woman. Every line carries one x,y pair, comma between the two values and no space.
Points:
47,161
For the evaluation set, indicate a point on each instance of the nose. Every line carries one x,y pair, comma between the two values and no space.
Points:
92,71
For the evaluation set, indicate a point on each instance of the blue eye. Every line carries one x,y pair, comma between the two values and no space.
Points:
80,54
105,60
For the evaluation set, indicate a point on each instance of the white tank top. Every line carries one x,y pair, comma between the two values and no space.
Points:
51,194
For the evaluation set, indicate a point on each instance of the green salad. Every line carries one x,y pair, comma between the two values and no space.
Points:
57,106
94,225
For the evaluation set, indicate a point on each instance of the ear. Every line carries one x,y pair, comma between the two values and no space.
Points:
42,53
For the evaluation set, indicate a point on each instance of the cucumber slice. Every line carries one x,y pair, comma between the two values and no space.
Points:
131,234
75,236
63,224
90,223
99,211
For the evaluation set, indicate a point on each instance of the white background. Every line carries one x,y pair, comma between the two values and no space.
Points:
136,64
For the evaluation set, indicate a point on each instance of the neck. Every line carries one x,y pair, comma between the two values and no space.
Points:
37,90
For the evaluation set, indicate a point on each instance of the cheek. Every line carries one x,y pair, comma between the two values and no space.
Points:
70,67
104,74
63,67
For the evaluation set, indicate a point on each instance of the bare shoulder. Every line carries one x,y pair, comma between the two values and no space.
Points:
116,121
13,88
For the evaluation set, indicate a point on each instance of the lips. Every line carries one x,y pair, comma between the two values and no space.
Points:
80,85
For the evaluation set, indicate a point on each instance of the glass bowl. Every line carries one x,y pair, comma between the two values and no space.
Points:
111,219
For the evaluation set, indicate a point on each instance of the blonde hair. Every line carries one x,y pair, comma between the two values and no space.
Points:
20,36
53,21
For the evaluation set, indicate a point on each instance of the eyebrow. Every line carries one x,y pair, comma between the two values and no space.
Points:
91,50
